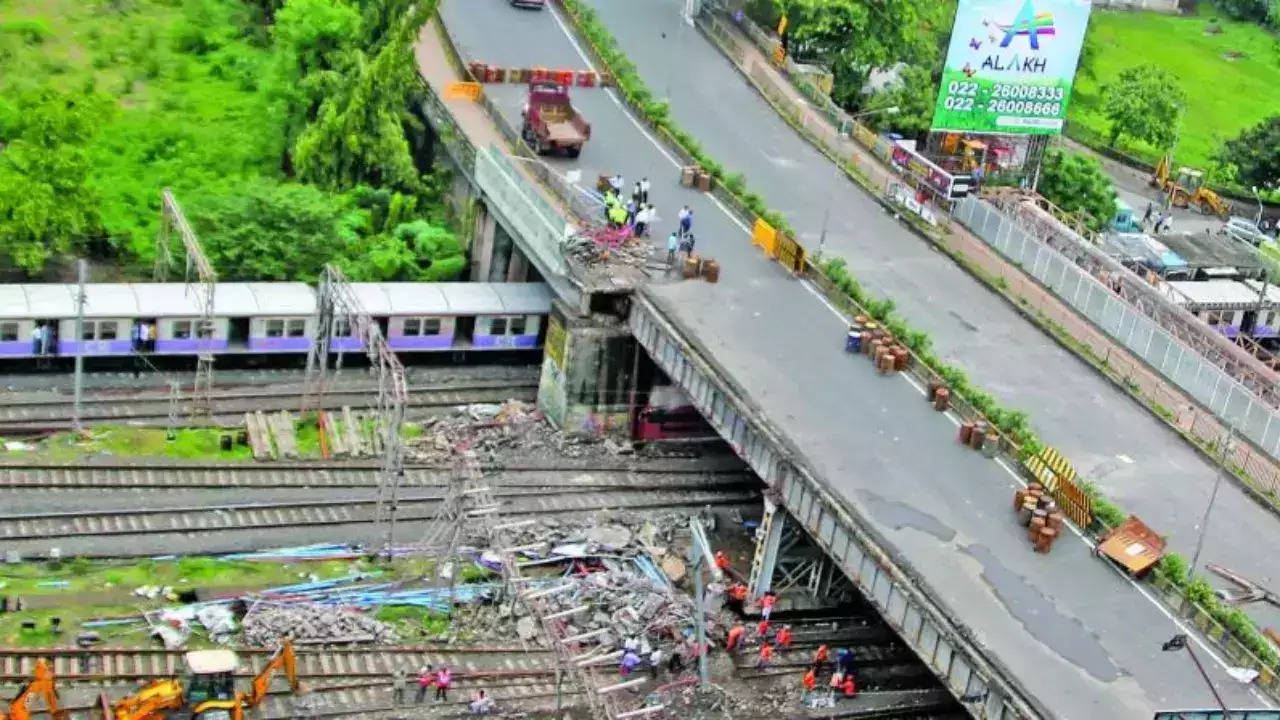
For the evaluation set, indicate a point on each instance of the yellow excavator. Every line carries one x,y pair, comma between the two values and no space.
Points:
41,684
1188,189
209,692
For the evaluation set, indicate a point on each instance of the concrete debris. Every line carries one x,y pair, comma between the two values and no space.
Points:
527,628
611,537
266,625
219,621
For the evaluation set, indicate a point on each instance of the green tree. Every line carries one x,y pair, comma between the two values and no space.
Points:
1143,103
1076,183
1255,154
262,230
359,132
854,37
914,97
47,208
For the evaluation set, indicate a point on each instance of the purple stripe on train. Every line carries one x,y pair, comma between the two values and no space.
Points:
95,347
426,342
189,345
14,348
279,344
504,341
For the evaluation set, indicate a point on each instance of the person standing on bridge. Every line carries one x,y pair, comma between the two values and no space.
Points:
686,221
636,195
617,184
641,222
735,637
644,190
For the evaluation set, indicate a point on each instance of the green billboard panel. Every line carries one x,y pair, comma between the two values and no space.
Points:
1010,65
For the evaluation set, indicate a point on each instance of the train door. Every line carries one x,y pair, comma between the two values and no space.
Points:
238,332
463,327
382,326
143,334
44,338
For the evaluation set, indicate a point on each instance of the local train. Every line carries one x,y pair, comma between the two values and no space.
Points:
268,318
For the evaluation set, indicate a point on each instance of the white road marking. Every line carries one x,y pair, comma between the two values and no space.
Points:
999,461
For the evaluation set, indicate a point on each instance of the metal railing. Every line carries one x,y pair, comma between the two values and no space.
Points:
1128,310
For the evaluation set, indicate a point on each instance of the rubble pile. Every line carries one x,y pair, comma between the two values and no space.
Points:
584,250
267,625
490,431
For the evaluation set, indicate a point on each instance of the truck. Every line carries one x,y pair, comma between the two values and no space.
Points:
550,121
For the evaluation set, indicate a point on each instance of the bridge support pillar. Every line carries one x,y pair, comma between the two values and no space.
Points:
588,374
768,546
482,244
518,268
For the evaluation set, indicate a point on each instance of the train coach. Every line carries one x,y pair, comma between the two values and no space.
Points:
163,319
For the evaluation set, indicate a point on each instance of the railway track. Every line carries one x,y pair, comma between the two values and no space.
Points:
335,475
52,414
412,507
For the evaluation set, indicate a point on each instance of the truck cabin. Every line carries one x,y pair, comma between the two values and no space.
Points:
211,675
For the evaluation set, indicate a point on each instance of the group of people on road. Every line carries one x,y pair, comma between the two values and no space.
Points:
640,215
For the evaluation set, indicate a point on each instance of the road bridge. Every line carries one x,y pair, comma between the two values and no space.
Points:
919,524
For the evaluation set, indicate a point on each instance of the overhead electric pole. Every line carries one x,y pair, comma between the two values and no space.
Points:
201,283
82,270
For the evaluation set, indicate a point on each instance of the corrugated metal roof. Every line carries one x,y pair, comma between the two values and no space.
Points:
1213,293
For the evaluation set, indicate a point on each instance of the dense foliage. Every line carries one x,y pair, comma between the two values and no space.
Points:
1263,12
1077,184
854,38
280,125
1144,103
1255,154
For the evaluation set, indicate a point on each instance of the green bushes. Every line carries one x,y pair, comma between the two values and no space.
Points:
32,31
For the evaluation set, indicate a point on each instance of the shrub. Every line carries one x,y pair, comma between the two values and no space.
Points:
32,31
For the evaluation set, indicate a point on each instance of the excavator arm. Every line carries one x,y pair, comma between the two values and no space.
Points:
152,702
42,684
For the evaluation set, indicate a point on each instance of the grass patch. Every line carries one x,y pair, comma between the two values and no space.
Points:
134,442
1224,95
77,590
414,623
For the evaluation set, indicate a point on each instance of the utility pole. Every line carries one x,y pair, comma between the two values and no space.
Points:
699,553
1179,642
201,283
82,270
1227,447
335,298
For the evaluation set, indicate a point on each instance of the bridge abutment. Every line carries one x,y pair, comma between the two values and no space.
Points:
588,374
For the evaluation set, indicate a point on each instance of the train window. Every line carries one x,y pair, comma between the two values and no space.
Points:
107,330
341,327
516,326
430,326
412,327
275,328
206,329
297,328
498,326
8,331
86,330
181,329
1213,318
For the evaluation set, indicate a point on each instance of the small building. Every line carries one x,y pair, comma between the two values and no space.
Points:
1232,307
1213,256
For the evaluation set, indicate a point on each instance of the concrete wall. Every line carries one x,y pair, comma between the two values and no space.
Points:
587,374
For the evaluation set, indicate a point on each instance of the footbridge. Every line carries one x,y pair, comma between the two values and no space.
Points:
918,523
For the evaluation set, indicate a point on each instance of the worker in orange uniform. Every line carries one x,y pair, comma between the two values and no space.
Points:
762,629
766,656
722,561
735,637
810,682
784,637
820,657
737,595
850,687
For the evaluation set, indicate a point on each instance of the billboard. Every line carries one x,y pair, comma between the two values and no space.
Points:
1010,65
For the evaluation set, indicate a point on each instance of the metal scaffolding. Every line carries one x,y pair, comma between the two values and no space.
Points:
475,507
201,282
338,308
